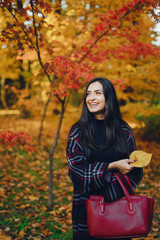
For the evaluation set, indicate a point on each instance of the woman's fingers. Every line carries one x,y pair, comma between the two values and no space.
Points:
124,166
130,160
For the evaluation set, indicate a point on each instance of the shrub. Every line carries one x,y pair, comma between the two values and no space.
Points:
151,129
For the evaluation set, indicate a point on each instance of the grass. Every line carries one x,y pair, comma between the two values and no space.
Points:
24,202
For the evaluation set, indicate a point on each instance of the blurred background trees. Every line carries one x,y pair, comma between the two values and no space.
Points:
67,29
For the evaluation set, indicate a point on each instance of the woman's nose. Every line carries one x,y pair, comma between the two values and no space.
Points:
92,96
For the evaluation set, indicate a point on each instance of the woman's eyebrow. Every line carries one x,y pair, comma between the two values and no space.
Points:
97,90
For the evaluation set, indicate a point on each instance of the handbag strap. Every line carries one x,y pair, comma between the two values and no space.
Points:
129,183
125,191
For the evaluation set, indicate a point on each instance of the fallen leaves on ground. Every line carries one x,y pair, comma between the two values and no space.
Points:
24,196
24,192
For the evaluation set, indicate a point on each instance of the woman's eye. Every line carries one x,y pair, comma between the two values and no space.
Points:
98,93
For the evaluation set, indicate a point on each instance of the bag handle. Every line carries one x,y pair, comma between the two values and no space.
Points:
131,209
130,203
129,183
123,187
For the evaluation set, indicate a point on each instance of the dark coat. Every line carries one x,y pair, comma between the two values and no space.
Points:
90,178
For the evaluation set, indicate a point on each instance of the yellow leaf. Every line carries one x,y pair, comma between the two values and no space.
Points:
33,231
62,230
141,158
7,229
24,206
33,198
3,237
34,225
21,234
16,220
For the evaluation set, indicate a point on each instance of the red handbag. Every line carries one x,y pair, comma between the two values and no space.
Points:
130,216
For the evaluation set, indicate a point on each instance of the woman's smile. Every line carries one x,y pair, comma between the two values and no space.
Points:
95,100
92,104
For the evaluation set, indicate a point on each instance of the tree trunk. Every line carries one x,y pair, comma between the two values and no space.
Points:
50,202
43,118
19,4
3,100
22,83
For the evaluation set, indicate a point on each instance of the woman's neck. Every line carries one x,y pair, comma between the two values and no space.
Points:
99,116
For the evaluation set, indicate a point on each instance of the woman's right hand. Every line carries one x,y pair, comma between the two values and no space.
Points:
122,165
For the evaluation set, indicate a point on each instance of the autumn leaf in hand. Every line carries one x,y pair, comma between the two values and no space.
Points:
141,158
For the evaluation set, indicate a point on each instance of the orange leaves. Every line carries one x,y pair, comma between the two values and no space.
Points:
141,158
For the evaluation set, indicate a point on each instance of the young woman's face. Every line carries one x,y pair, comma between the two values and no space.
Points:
95,100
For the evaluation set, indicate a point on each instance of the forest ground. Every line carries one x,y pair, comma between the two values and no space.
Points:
24,182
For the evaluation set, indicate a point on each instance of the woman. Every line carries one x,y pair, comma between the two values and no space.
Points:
99,144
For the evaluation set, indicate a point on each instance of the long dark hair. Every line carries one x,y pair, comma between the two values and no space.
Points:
112,121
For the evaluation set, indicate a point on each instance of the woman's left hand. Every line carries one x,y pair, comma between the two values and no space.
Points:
122,165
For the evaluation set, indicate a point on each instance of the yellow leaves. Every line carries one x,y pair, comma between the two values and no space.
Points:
25,206
7,229
71,12
2,191
130,68
21,234
35,225
59,27
3,236
33,198
60,229
141,158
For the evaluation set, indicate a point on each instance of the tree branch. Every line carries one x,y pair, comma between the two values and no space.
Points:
29,39
105,32
37,43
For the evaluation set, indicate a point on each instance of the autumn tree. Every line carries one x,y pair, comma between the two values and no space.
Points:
76,40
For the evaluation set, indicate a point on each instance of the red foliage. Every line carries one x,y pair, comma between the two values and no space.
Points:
142,50
9,138
71,75
6,3
41,4
111,23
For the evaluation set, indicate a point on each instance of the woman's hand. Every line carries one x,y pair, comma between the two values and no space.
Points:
122,165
